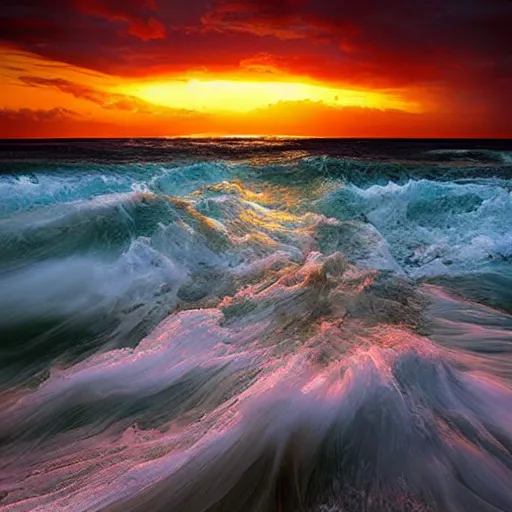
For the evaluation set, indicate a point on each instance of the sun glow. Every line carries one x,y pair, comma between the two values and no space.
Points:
245,96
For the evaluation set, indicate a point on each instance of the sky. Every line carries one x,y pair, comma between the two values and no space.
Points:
326,68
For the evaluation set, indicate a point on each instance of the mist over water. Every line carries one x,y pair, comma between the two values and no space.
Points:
266,325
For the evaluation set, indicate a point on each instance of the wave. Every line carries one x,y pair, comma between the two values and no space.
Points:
476,155
306,172
62,309
77,182
317,334
100,273
325,412
432,228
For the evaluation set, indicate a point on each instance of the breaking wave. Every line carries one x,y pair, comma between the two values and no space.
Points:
225,336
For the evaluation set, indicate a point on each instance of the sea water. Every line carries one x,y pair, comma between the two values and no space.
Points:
256,325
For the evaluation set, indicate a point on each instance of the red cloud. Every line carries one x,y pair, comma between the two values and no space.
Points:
262,18
380,41
138,15
25,122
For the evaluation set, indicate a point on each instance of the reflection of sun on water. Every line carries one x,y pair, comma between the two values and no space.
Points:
244,96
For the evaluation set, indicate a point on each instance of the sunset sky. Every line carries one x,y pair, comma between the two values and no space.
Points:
361,68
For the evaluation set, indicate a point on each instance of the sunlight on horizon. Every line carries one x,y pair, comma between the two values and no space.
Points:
245,96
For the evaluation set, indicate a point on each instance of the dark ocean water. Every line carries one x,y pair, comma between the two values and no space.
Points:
267,325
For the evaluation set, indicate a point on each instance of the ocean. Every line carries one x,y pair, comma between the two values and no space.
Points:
256,325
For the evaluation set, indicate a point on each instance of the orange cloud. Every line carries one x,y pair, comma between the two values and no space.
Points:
105,100
304,118
29,115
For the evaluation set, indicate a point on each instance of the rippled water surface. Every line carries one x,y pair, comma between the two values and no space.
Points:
267,325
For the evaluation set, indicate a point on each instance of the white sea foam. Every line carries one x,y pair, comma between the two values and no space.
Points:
434,227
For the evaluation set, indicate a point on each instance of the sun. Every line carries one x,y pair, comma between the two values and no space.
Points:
225,95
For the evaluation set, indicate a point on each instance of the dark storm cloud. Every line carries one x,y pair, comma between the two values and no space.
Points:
102,36
388,42
385,42
139,15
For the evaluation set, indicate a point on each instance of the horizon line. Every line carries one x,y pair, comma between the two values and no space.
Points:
250,137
